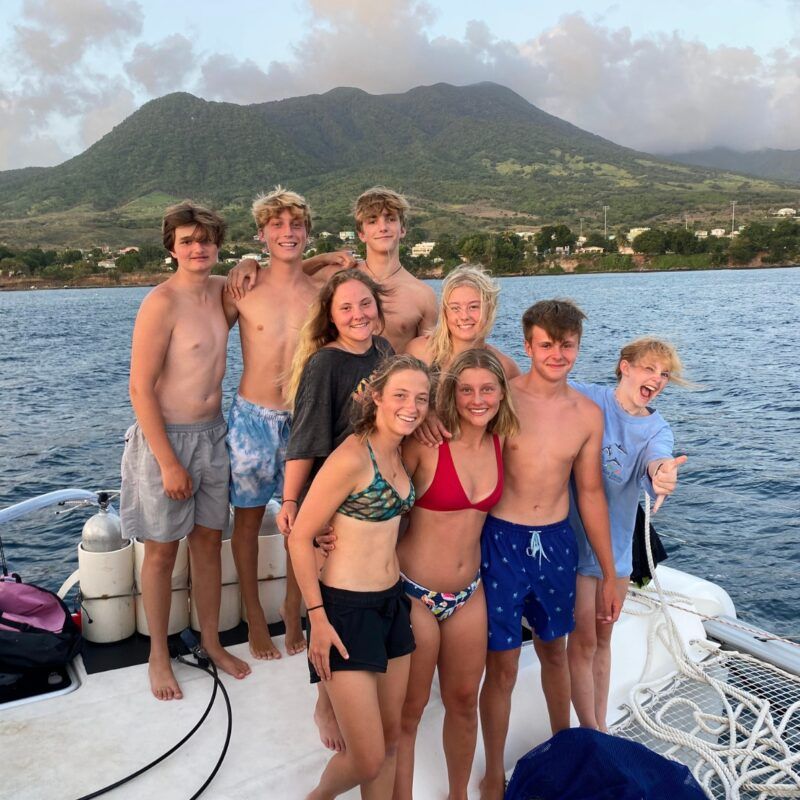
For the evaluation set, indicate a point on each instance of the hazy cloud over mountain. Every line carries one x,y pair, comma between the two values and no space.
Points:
82,66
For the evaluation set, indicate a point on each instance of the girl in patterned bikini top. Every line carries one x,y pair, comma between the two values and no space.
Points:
360,636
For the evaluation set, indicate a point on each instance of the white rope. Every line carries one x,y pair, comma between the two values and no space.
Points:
755,758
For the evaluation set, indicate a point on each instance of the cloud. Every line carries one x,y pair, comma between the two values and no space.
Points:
60,101
162,67
82,66
658,93
55,35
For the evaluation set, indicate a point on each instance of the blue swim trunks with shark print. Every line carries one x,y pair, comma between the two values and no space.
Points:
528,571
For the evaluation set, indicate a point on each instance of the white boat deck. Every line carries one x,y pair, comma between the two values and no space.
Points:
68,746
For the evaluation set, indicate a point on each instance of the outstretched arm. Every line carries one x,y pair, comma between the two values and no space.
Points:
663,473
341,259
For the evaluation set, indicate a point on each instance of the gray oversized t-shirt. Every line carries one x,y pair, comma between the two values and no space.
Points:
324,399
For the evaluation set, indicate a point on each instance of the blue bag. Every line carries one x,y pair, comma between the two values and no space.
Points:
582,764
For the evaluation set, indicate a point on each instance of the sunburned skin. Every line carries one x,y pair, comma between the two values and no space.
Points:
189,386
178,356
409,306
271,314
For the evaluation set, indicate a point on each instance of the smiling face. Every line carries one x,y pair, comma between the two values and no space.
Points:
552,359
285,236
382,232
193,250
403,403
463,314
354,314
642,381
478,396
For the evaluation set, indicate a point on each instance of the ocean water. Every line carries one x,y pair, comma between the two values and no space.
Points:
735,518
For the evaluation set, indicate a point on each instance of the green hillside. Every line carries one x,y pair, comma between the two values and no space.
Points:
475,156
768,163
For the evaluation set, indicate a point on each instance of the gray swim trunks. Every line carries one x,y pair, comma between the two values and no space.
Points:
146,512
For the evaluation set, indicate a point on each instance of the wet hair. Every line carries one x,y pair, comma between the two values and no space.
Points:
557,318
505,422
441,340
212,226
379,199
319,330
365,409
267,206
640,348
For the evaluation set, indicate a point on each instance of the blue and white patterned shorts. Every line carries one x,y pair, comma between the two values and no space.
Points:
528,571
257,439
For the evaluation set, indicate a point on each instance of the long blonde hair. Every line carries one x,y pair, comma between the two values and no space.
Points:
441,342
319,330
505,422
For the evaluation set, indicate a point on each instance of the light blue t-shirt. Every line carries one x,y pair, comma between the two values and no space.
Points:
629,445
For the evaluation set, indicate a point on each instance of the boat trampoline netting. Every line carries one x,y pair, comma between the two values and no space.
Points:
738,730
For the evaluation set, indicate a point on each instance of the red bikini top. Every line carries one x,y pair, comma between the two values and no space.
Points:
446,492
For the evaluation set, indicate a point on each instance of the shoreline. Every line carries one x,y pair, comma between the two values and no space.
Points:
135,279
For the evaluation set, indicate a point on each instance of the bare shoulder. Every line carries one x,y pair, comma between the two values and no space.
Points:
414,284
510,366
419,348
161,300
216,283
348,461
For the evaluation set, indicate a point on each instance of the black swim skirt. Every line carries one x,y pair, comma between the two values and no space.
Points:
374,627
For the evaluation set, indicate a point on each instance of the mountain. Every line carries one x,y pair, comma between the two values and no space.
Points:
782,165
471,156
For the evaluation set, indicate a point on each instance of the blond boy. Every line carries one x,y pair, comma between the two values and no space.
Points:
270,316
380,215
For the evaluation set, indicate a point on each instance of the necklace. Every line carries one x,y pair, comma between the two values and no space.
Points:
637,412
382,280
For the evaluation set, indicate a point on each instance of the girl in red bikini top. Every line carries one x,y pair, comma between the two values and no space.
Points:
446,492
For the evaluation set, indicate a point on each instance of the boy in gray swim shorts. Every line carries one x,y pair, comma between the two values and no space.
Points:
175,467
146,512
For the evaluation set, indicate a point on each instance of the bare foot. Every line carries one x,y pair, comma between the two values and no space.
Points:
294,640
325,719
260,641
162,680
227,662
493,788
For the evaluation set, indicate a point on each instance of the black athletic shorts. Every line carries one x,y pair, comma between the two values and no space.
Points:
374,627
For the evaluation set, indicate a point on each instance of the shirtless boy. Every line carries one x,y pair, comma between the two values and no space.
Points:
528,551
380,215
270,317
175,465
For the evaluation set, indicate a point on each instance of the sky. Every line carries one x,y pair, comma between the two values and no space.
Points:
658,76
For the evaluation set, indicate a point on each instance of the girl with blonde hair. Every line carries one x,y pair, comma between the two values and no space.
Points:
467,311
456,484
637,453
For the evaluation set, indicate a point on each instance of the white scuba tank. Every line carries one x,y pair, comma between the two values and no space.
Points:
105,567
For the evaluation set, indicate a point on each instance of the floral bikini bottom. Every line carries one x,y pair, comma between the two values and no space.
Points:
441,604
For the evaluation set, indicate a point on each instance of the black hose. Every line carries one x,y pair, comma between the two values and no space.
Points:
212,671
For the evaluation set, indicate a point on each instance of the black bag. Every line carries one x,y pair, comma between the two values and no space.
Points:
641,569
36,628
